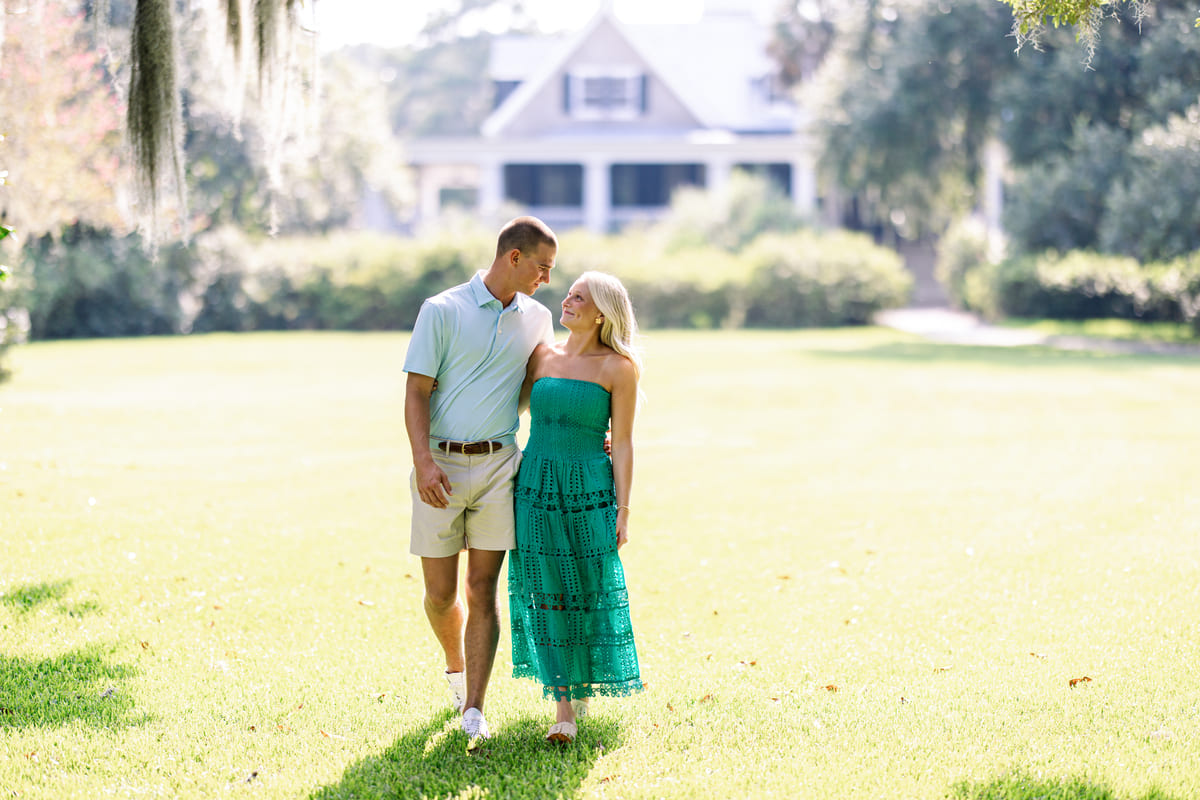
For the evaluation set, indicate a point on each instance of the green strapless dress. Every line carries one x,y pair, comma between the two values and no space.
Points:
568,605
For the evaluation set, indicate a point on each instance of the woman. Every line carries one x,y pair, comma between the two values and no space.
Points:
567,598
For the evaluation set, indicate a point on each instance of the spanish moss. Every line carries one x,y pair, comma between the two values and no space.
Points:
233,26
154,119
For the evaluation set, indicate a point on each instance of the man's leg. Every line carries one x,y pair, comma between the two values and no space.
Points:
483,621
444,608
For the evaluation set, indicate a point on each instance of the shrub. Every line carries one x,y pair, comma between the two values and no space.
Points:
809,279
89,283
963,248
1083,285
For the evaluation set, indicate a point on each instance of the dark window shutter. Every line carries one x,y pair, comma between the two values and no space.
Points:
645,93
566,107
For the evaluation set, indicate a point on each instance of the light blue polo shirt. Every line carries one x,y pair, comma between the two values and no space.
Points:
477,351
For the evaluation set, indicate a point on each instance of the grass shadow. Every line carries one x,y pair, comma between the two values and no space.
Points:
80,686
432,761
25,599
1026,356
1024,787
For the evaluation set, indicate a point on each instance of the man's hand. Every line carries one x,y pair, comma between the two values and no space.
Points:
433,485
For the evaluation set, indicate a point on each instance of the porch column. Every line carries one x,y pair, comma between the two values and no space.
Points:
491,187
597,195
717,175
804,187
429,195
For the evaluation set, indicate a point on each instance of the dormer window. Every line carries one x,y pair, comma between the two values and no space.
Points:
604,93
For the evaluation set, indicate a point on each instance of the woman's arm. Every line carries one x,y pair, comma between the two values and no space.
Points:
624,405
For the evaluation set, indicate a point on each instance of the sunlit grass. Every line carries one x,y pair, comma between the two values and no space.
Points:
1119,329
861,566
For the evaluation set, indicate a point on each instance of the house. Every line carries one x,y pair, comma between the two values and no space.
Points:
598,128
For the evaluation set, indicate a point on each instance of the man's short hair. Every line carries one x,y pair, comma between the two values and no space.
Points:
525,234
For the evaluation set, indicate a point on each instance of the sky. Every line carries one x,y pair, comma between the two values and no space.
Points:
395,22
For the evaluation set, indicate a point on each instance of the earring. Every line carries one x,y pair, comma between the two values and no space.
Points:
599,320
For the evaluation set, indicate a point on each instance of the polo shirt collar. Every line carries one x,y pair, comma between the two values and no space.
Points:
483,296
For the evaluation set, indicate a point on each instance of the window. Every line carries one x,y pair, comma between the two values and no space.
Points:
544,184
610,93
501,90
779,175
652,184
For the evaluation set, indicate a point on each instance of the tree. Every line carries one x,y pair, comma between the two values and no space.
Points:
904,107
1094,164
60,121
1085,16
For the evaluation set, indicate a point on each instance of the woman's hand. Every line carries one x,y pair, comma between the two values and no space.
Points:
622,527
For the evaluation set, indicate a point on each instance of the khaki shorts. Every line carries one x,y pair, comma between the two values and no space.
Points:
480,514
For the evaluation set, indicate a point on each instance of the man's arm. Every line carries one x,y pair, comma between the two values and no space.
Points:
432,483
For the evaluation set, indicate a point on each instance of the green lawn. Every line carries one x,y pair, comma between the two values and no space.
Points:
861,566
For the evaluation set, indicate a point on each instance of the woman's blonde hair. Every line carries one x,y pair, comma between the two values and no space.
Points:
619,330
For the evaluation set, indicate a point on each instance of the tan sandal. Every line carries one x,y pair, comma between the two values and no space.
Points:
563,732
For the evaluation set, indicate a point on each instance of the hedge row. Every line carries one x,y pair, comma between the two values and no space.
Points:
87,284
1071,286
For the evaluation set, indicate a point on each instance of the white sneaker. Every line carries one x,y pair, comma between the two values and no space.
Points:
458,689
475,727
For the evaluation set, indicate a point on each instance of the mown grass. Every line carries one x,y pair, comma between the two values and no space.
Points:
861,566
1119,329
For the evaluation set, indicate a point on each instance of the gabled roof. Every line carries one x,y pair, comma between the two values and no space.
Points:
707,65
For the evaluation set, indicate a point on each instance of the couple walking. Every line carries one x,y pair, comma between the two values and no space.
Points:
480,353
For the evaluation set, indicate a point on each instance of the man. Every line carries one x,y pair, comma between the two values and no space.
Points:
472,342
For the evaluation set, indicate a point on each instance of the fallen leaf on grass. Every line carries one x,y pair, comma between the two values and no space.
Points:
251,776
830,687
938,670
1037,655
706,698
253,728
1076,681
381,697
145,645
367,603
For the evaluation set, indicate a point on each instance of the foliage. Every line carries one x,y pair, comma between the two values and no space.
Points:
905,104
728,218
12,331
1085,16
59,124
89,283
92,284
814,280
1152,211
1060,202
961,249
1081,285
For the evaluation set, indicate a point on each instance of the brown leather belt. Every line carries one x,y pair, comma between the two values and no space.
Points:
470,448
